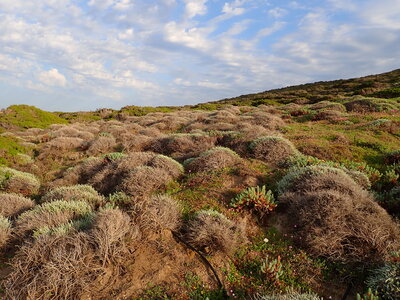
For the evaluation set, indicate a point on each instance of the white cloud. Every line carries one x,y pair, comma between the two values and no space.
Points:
233,8
52,78
195,7
277,12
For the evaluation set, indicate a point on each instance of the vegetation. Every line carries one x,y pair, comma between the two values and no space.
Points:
286,194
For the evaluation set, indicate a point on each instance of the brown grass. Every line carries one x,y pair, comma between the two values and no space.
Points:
5,231
12,205
62,144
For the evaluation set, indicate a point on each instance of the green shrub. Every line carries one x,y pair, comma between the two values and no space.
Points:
14,181
29,117
369,295
388,93
113,156
386,280
392,157
257,198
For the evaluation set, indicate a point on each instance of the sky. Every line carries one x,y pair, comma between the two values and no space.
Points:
70,55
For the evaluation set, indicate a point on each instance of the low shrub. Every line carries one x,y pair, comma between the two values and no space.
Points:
12,205
5,231
13,181
159,212
273,149
211,231
289,296
386,281
168,164
143,180
101,144
50,214
333,223
78,192
62,144
213,159
392,157
255,198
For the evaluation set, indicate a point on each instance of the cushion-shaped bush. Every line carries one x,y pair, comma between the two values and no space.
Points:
79,192
211,231
159,212
318,177
272,149
51,214
5,231
338,225
12,205
143,180
101,144
13,181
174,168
62,144
213,159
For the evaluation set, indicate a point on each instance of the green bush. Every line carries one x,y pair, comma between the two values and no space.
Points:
257,198
386,280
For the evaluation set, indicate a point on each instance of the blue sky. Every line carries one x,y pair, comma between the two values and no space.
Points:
70,55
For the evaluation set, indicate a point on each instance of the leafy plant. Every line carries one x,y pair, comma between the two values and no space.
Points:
257,198
386,281
272,269
369,295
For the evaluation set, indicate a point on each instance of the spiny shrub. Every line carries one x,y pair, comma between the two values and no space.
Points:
159,212
318,177
213,159
339,225
101,144
109,227
78,192
143,180
12,205
5,231
386,281
13,181
257,198
272,149
51,214
359,172
174,168
211,231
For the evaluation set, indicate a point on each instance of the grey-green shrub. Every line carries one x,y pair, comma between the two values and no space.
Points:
14,181
79,192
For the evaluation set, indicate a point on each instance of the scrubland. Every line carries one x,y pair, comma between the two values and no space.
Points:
296,200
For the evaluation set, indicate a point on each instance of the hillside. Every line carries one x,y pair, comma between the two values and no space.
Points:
286,194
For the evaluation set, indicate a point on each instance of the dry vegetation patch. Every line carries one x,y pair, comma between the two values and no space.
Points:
12,205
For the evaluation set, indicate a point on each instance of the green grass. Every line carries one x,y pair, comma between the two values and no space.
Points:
26,116
9,150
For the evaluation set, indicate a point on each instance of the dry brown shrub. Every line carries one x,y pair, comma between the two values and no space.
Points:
174,168
5,231
69,131
268,121
62,144
182,145
14,181
329,115
12,205
63,266
143,180
157,213
272,149
135,142
213,159
111,173
340,226
101,145
151,132
211,231
269,109
220,126
328,105
109,227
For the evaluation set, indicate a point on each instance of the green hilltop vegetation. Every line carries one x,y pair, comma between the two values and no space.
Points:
291,193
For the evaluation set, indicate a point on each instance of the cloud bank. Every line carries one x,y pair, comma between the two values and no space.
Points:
76,55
